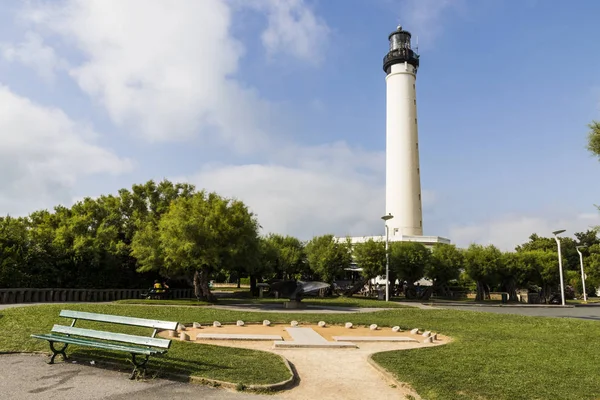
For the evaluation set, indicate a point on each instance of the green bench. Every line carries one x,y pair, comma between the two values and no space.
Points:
135,345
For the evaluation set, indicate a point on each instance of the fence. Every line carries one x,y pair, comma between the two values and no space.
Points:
28,295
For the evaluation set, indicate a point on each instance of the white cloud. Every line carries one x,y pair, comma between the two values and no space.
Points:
33,53
318,190
511,230
43,153
424,18
293,29
164,72
169,72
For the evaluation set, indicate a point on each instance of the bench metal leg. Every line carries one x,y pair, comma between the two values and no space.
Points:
137,366
55,352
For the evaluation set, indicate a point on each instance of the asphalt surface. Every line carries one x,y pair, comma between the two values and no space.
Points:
28,377
589,312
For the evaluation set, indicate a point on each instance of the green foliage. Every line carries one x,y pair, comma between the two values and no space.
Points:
370,256
593,138
445,264
282,256
327,258
409,260
125,240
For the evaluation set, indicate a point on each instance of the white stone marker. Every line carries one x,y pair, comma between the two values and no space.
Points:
373,327
396,329
428,339
184,336
322,324
240,323
414,331
266,322
197,325
426,334
216,324
348,325
181,327
294,323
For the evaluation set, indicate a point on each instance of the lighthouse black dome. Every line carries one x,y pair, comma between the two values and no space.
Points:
400,50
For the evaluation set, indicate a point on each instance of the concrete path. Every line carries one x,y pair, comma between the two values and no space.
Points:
335,374
28,377
592,313
278,308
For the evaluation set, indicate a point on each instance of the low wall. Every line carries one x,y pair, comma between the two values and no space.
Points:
28,295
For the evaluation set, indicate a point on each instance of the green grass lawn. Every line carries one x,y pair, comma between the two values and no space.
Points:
314,301
492,356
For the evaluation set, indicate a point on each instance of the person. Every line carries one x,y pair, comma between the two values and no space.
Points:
158,287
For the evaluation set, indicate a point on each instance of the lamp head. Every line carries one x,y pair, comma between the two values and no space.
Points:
386,217
559,231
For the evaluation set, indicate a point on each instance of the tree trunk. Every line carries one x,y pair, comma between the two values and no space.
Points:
511,288
392,283
480,291
201,288
239,281
253,288
356,287
411,292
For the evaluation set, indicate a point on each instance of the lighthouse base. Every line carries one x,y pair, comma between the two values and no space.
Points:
428,241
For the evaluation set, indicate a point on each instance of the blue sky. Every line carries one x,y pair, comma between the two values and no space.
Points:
282,104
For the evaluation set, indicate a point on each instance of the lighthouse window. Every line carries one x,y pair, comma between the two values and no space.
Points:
415,101
415,120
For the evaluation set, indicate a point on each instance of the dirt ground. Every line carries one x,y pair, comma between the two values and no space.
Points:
328,374
279,329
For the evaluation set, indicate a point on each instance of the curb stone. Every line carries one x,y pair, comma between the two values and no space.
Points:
390,378
273,387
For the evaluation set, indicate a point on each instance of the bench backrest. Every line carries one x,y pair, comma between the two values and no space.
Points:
119,319
116,319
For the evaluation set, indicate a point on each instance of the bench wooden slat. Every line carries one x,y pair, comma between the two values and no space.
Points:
100,345
117,319
118,337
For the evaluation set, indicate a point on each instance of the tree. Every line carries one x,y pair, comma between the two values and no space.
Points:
285,255
593,138
198,235
444,266
370,257
482,264
327,258
409,260
14,251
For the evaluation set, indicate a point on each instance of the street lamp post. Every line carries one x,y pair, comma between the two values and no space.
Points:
582,273
385,218
560,269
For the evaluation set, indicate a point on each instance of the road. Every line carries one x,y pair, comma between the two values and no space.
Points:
588,312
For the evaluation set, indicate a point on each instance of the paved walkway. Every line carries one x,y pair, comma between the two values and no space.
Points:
278,308
592,313
28,377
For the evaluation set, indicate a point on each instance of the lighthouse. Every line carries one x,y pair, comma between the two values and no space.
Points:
403,204
402,172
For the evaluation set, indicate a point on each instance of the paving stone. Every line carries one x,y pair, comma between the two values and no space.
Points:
236,336
375,339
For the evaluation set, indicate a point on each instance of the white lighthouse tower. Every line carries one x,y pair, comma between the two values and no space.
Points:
402,172
403,204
